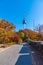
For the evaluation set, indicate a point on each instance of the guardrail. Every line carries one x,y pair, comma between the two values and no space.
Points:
37,45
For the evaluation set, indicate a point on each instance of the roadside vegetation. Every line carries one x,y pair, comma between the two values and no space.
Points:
8,35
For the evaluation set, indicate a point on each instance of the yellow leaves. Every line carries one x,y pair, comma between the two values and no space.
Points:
10,34
6,25
10,28
31,34
21,34
6,31
2,30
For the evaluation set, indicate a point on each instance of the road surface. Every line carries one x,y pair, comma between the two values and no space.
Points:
10,55
20,55
16,55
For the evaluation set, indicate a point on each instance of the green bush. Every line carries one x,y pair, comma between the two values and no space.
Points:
7,40
20,41
1,40
12,43
21,34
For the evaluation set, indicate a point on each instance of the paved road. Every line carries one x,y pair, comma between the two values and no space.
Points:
9,56
16,55
20,55
24,56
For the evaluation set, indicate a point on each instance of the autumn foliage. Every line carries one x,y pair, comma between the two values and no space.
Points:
8,34
6,31
16,38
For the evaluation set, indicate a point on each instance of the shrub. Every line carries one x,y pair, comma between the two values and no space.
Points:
1,39
7,40
20,41
12,43
21,34
16,38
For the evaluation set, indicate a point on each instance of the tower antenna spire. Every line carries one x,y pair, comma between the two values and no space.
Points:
24,23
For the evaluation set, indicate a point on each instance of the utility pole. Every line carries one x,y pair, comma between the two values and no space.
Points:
33,25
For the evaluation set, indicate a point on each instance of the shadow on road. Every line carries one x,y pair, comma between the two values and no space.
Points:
24,58
24,50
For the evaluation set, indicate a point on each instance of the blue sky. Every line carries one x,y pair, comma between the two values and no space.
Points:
15,10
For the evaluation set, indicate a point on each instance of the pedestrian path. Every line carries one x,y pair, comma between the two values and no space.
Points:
10,55
16,55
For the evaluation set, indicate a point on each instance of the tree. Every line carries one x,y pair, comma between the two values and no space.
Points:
6,25
2,35
6,31
21,34
16,38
